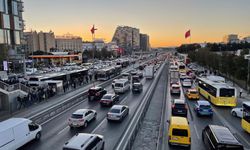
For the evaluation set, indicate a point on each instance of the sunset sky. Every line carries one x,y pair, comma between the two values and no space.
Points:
165,21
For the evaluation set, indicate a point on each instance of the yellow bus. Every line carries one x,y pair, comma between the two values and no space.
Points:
215,90
245,121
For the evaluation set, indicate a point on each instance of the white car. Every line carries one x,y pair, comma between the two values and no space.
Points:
117,112
237,112
113,82
186,83
82,117
175,89
183,76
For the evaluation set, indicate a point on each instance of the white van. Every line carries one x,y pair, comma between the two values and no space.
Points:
16,132
121,86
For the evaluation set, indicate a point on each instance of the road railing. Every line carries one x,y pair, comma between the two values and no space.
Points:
129,135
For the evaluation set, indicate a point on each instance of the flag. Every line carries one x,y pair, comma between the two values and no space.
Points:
93,29
187,34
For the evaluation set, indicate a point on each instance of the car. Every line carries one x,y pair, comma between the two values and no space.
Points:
82,117
179,132
133,72
186,83
117,112
96,93
113,82
109,99
217,137
175,89
121,86
179,108
237,112
135,78
183,76
85,141
203,108
192,94
126,76
140,74
137,87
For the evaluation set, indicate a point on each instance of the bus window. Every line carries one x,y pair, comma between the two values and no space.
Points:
227,92
246,112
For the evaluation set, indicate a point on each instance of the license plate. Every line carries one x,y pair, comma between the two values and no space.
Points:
179,111
175,138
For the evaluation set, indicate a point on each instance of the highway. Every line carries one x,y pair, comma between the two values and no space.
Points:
56,132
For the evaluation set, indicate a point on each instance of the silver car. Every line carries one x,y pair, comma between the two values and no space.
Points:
117,112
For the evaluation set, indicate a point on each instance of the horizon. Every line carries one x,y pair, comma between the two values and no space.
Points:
165,21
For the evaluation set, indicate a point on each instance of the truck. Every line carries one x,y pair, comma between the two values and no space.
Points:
16,132
149,72
174,76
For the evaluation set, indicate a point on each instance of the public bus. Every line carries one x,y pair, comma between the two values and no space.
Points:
216,91
245,121
105,74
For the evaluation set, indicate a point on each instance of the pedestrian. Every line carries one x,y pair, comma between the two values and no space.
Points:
87,79
241,92
19,99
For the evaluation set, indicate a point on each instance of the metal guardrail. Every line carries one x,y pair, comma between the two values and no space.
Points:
17,86
126,141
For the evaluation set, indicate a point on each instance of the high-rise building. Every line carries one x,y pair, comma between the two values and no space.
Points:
69,42
127,38
43,41
144,42
11,25
231,38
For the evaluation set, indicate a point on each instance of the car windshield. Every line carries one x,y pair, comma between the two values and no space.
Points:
205,106
180,132
76,116
106,97
180,105
115,110
193,92
118,85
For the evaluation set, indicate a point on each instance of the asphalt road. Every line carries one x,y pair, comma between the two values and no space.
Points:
56,132
222,116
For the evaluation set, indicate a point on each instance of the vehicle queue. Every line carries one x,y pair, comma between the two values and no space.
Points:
213,90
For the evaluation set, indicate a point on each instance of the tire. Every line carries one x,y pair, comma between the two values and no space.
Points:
234,114
103,146
38,136
85,124
95,116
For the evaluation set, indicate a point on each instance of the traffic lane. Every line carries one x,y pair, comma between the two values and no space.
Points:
112,131
57,130
222,116
53,128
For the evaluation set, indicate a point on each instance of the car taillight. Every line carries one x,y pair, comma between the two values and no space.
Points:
172,106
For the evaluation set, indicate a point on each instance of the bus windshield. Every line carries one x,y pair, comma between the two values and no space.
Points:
226,92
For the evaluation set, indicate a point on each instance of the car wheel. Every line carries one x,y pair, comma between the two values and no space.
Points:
95,116
102,146
234,114
38,136
85,124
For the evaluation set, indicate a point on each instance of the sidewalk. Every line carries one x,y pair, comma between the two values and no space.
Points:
35,108
245,95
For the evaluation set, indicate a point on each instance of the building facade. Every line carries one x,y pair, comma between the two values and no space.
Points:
127,38
231,38
68,42
11,24
144,42
43,41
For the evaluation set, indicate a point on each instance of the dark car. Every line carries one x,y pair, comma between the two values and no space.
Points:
220,138
96,93
179,108
135,79
140,74
109,99
137,87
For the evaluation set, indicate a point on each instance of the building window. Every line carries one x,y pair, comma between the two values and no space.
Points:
2,37
17,23
14,8
6,21
17,37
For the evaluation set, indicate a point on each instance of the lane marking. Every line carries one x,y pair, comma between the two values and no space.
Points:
124,99
100,124
196,131
62,130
